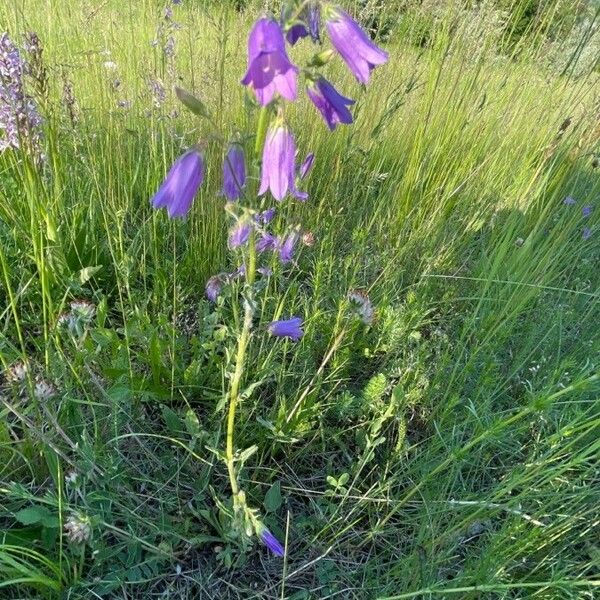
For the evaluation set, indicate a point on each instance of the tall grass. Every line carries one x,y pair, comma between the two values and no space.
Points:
448,450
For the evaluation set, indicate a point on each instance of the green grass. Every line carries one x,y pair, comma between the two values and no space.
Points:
450,450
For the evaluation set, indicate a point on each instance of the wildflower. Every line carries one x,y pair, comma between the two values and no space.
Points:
181,184
125,104
569,201
43,390
291,328
214,286
307,165
265,217
17,372
234,172
239,272
71,477
519,242
331,104
271,542
586,211
84,310
586,233
78,529
265,271
239,235
355,47
361,305
269,68
286,247
278,170
295,33
307,25
266,242
109,65
308,238
159,94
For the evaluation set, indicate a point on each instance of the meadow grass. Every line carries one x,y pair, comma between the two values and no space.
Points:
449,450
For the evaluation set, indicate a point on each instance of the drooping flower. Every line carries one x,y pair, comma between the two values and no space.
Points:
295,33
234,172
308,24
278,164
569,201
269,68
307,165
586,211
214,286
271,542
286,247
355,47
330,103
239,235
266,242
181,184
291,328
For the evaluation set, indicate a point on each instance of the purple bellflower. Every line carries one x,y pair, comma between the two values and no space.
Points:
291,328
295,33
234,172
266,216
214,286
586,211
269,68
266,242
271,542
239,235
569,201
278,164
286,247
331,104
353,44
307,165
181,184
308,24
586,233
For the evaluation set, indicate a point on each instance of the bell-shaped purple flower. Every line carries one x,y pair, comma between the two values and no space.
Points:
181,184
234,172
239,235
586,211
214,286
271,542
291,328
266,216
353,44
286,247
269,68
295,33
307,165
278,164
266,242
331,104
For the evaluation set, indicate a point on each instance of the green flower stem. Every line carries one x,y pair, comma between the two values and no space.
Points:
261,131
234,393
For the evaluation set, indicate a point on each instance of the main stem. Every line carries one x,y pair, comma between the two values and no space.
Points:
234,395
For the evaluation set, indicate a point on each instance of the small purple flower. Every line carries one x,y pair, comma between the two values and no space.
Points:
331,104
239,272
265,271
586,211
265,217
181,184
353,44
569,201
286,247
307,165
234,172
269,68
271,542
239,235
266,242
295,33
314,22
586,233
278,164
213,287
291,328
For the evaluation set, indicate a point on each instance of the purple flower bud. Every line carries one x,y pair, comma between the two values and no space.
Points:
278,164
286,247
265,217
569,201
271,542
181,184
266,242
586,233
331,104
269,68
234,172
586,211
296,32
307,165
239,235
314,22
359,53
291,328
214,286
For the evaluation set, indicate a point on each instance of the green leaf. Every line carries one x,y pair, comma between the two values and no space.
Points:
273,499
86,274
246,454
194,104
172,420
192,423
32,514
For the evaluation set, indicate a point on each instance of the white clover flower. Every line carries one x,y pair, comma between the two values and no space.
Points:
78,529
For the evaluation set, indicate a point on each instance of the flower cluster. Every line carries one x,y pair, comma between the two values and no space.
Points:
20,120
586,213
273,80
